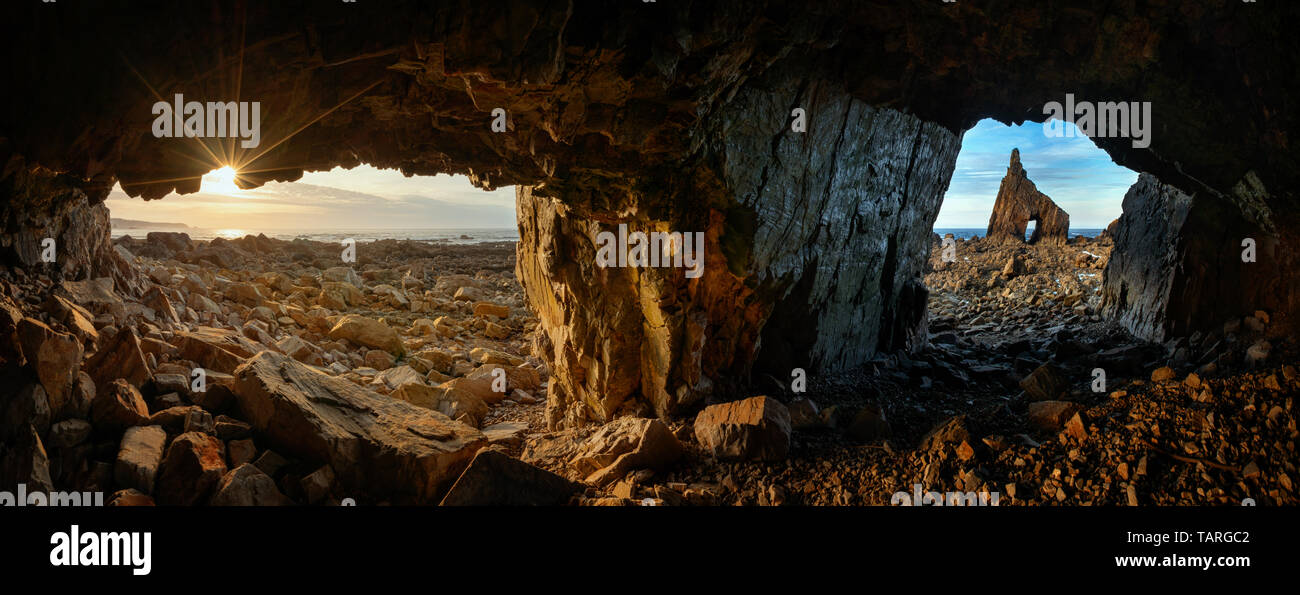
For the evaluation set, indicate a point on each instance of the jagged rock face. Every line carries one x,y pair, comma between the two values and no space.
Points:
46,214
1180,265
659,115
1139,275
809,257
1020,202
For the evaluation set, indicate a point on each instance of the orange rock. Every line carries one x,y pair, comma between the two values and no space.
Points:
491,309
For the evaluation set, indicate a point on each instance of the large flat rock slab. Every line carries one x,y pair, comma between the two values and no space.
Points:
378,446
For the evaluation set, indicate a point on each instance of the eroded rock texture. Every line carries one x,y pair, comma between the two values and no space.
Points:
666,115
1019,202
46,211
1183,263
809,256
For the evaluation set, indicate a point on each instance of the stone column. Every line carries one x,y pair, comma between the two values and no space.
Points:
814,243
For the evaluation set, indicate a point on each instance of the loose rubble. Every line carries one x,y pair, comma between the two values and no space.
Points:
262,372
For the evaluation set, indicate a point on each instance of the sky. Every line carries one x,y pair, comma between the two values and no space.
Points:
1076,174
361,198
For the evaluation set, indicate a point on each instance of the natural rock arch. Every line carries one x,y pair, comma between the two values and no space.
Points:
1019,202
673,116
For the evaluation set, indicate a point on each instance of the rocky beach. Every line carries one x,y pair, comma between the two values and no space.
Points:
257,371
818,344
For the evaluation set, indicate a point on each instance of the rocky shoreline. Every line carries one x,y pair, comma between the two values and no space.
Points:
409,377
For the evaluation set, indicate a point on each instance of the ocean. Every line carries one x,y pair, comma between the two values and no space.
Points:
436,235
967,233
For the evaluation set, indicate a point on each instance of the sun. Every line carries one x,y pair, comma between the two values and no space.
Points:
221,181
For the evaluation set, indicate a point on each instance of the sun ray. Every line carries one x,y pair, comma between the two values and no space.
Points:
239,165
215,160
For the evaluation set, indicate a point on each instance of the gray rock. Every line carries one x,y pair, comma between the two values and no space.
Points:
139,456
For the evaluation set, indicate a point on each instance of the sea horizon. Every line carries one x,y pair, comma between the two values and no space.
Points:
966,233
448,235
442,235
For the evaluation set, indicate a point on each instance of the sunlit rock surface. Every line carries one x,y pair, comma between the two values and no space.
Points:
668,115
1019,202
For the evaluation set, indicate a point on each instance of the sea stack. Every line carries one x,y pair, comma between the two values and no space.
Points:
1020,202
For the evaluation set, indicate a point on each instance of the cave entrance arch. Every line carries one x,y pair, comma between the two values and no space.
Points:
686,127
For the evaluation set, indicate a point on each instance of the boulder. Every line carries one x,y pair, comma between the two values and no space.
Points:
175,419
55,356
215,349
469,294
29,406
69,432
376,445
496,331
517,378
191,470
805,415
201,303
122,358
118,406
1163,374
1051,415
338,296
299,349
379,359
162,306
24,460
139,456
455,402
368,332
394,378
98,295
1177,264
241,451
757,428
491,309
247,485
1045,383
318,485
951,431
623,445
171,241
341,275
244,293
495,479
508,434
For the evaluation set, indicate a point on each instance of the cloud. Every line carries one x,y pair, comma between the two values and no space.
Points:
363,198
1078,175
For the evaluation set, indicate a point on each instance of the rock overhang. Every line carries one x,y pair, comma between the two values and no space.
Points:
594,89
666,116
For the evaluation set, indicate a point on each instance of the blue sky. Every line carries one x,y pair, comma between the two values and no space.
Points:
1080,177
